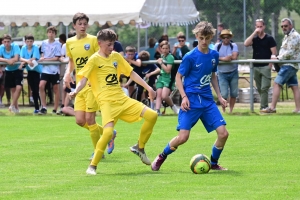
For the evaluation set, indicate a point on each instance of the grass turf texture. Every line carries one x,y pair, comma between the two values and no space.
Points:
45,157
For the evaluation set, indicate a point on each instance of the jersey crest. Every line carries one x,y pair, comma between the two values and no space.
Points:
87,46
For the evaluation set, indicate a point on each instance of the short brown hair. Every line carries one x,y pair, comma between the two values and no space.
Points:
6,36
52,28
151,42
144,55
79,16
29,37
107,35
204,28
164,42
130,49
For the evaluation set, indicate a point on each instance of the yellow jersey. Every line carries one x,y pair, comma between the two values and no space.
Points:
103,75
81,50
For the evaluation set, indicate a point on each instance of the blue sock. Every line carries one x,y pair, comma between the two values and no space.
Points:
215,155
168,150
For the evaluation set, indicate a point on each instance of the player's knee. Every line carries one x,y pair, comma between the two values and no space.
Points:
80,122
150,115
90,119
183,138
223,134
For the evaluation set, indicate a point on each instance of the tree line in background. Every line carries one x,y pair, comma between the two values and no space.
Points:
230,12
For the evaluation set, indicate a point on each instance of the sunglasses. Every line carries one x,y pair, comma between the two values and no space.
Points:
225,37
259,20
180,40
285,26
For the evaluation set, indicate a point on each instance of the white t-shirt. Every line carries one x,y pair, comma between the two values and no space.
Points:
51,50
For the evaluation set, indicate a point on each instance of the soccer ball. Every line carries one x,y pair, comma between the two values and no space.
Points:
200,164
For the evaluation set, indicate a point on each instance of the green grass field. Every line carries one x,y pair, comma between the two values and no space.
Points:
45,157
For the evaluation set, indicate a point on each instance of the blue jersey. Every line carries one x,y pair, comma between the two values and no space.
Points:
34,53
14,50
197,69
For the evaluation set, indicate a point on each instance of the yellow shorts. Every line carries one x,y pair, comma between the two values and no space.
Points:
86,101
126,109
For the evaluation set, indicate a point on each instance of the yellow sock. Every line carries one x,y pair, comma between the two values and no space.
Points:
101,145
100,128
150,117
95,134
86,126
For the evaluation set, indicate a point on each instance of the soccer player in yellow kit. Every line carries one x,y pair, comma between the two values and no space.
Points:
103,70
79,48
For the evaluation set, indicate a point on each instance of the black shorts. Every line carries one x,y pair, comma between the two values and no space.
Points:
13,78
68,90
50,78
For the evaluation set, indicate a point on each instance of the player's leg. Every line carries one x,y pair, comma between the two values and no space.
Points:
233,86
186,120
166,97
213,120
150,117
19,86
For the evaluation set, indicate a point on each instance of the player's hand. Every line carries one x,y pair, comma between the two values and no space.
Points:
160,60
41,59
72,95
223,103
185,104
152,94
67,81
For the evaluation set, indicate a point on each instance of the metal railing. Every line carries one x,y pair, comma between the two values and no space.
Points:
247,61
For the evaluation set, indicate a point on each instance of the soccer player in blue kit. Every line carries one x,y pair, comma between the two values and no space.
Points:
198,68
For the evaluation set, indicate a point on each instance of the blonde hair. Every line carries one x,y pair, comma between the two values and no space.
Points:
204,28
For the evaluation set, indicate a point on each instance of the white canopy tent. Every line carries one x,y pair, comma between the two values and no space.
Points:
156,12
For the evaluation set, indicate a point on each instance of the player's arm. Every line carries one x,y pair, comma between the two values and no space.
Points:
156,71
185,103
136,78
215,85
137,62
79,87
166,67
67,76
249,41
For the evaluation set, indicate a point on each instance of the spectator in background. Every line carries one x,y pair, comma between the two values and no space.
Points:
65,58
228,74
51,51
157,45
220,27
264,47
136,64
290,50
29,55
9,53
151,49
163,83
118,46
2,74
181,47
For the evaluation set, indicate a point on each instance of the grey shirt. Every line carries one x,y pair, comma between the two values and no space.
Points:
224,51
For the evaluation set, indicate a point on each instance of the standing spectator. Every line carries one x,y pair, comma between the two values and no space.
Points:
51,51
9,53
29,54
163,87
198,68
290,50
2,88
151,49
220,27
228,74
181,47
264,47
118,46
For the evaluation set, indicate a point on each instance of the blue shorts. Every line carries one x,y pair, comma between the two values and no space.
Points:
287,75
208,113
228,80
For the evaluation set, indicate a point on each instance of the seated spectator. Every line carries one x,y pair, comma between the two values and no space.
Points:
136,63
